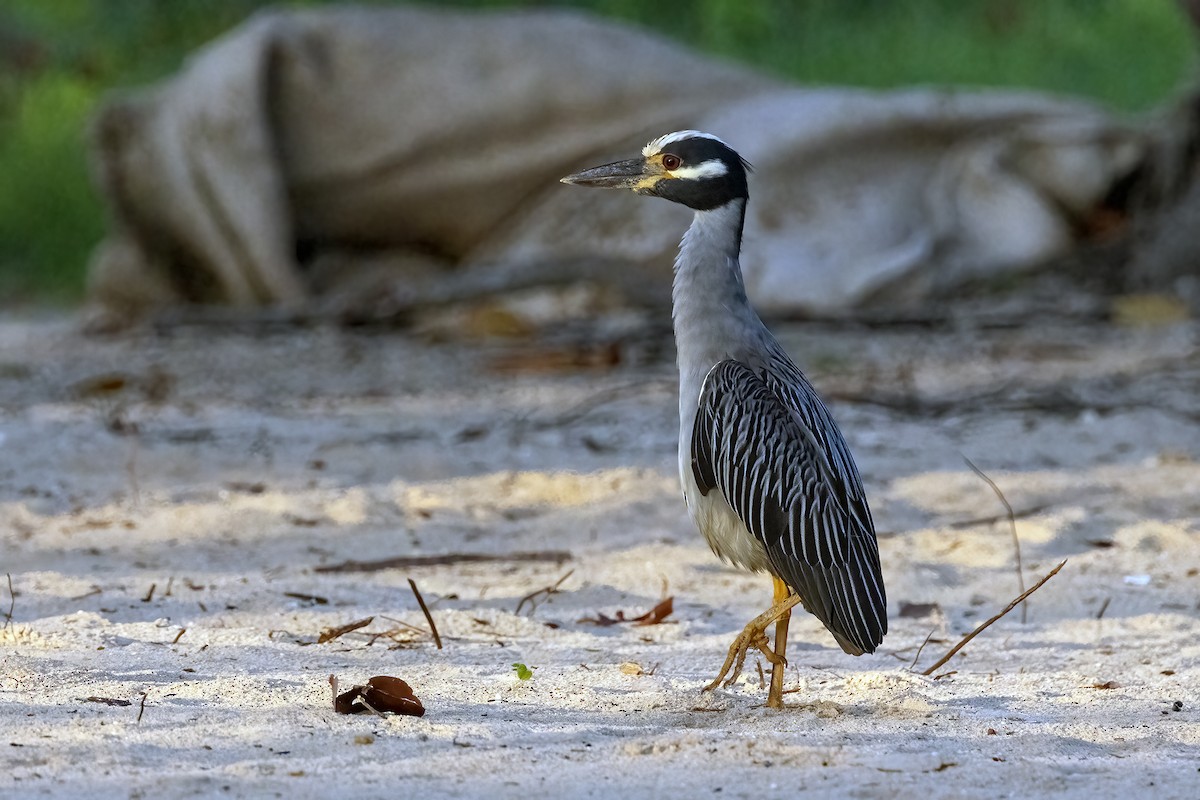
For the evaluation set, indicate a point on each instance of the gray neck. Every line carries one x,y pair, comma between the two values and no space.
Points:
713,319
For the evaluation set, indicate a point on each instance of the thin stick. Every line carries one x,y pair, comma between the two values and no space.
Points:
12,601
142,707
985,625
1025,512
1103,608
131,467
425,610
913,665
1012,525
548,590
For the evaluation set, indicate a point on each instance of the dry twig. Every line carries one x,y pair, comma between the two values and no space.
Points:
962,643
917,657
1012,525
12,601
425,610
549,590
994,518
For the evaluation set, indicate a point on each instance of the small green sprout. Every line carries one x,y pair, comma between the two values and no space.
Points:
523,672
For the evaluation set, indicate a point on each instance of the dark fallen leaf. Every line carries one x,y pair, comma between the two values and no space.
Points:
302,522
315,599
108,701
656,615
1106,685
381,694
919,610
471,433
257,487
386,693
344,702
1167,672
99,385
329,634
1102,544
595,445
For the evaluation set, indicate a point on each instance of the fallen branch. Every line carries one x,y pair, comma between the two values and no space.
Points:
1012,525
425,610
407,562
962,643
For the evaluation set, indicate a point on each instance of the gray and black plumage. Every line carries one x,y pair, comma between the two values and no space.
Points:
767,476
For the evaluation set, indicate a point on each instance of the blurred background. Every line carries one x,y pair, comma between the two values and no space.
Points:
58,57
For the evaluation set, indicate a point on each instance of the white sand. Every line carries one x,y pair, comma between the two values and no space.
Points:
370,446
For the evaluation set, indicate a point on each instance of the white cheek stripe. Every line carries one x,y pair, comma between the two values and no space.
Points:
655,147
713,168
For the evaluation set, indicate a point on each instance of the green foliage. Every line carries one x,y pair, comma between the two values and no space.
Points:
523,672
1129,54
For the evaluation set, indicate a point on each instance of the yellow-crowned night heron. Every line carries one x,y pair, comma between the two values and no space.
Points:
766,474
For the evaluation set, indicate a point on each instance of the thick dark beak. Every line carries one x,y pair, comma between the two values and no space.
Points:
618,175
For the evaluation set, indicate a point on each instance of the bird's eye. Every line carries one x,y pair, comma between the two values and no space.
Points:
670,162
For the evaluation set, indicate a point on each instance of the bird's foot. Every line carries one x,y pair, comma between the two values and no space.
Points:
754,635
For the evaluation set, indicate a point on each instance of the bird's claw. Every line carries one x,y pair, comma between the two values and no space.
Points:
754,636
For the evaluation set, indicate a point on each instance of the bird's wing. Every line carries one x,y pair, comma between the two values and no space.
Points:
783,467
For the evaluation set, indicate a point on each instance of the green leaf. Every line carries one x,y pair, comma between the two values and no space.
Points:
523,672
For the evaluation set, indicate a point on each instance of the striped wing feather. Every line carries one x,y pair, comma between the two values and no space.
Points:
767,442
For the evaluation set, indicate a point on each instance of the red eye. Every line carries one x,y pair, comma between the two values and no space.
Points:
670,162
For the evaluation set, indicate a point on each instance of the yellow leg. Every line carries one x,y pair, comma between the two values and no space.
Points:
775,695
754,636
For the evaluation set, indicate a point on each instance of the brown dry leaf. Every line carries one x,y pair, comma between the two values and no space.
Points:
631,668
654,616
329,634
100,385
386,693
1106,685
381,694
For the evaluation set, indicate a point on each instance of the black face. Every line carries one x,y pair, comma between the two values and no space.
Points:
701,192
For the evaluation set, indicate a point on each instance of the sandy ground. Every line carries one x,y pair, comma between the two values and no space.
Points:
167,497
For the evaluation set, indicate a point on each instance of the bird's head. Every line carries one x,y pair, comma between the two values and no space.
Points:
689,167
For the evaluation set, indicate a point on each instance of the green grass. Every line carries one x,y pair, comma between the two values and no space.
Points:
1129,54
